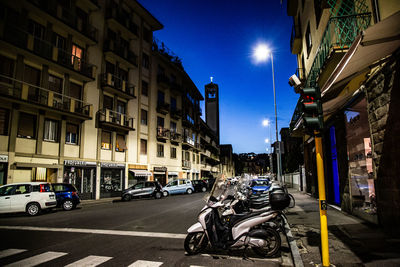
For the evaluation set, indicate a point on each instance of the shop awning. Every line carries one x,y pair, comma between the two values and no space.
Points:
368,49
173,173
141,173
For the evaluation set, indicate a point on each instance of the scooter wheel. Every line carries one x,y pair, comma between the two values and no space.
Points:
272,242
195,243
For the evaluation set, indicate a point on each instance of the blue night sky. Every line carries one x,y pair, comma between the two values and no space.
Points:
216,38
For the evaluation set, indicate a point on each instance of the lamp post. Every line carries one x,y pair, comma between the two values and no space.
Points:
261,54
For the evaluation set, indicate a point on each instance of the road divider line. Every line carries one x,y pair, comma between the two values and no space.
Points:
96,231
10,252
141,263
89,261
38,259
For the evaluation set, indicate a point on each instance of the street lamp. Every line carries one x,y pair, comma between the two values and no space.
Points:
261,53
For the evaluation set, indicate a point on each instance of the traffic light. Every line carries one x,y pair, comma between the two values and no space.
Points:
312,108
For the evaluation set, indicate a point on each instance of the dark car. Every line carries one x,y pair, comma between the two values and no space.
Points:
143,189
210,182
199,185
66,195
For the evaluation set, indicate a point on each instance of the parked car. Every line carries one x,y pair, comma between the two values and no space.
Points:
210,183
199,185
143,189
30,197
260,185
181,186
66,195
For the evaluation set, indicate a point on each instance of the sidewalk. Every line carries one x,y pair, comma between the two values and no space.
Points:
352,242
89,202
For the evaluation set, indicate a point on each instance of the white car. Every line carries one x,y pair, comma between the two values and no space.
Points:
180,186
30,197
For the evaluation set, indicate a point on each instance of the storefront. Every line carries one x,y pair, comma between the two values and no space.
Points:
195,175
82,174
111,179
138,173
3,169
160,175
172,176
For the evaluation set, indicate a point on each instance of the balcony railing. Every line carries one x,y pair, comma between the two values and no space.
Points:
113,12
118,119
20,90
174,136
120,50
188,140
186,164
162,132
162,107
339,35
44,49
67,16
161,48
115,82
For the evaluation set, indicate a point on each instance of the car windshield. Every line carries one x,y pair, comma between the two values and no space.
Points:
259,182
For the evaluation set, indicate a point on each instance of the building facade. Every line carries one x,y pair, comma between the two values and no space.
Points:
348,49
89,97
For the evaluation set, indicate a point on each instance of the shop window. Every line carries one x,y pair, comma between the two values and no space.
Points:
106,140
173,152
120,145
27,126
50,130
72,134
4,114
6,69
360,159
143,117
145,61
145,88
143,146
160,150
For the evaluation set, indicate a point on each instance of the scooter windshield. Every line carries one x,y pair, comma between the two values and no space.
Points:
224,187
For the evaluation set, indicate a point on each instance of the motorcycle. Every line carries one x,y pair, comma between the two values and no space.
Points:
220,226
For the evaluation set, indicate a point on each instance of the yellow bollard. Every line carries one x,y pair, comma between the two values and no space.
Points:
322,200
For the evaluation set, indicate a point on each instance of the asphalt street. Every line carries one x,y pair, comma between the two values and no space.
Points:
144,232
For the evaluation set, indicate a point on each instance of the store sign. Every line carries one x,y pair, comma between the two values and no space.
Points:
78,163
137,167
3,158
112,165
160,169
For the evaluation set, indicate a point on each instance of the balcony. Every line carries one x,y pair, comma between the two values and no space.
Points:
162,133
122,52
167,53
116,85
162,107
187,142
176,113
46,53
295,39
117,17
57,14
163,79
186,164
114,120
176,87
35,96
174,137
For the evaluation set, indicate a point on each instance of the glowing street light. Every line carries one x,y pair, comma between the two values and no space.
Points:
267,140
265,122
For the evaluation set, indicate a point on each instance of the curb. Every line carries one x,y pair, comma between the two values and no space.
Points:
297,260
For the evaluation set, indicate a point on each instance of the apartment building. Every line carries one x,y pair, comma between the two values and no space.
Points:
349,50
88,97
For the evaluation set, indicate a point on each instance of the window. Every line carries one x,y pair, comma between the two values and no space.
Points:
143,146
143,117
173,152
160,150
147,35
106,140
145,61
32,76
145,88
318,11
120,145
110,68
194,158
4,121
72,134
173,103
77,56
108,102
161,97
55,84
173,127
121,107
50,130
82,19
59,41
27,125
6,69
197,159
308,40
160,122
36,29
75,91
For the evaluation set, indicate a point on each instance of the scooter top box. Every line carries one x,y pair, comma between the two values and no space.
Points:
279,199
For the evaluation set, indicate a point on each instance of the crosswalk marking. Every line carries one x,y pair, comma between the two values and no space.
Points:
141,263
38,259
10,252
90,261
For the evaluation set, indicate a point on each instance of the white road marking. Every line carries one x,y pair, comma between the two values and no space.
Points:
141,263
10,252
96,231
89,261
38,259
